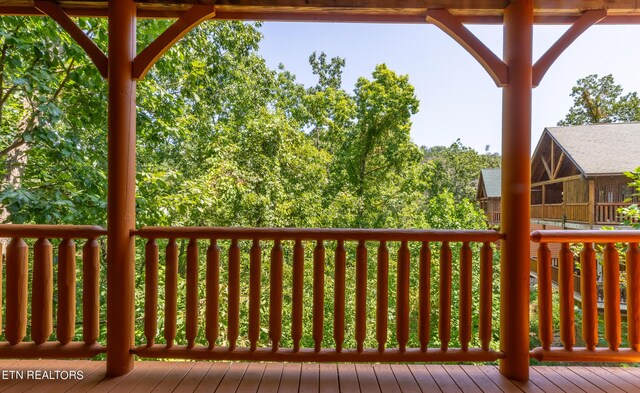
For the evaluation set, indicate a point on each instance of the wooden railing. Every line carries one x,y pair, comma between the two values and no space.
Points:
41,270
571,211
588,291
607,213
292,243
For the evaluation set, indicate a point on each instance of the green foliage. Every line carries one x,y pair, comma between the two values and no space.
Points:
601,100
456,168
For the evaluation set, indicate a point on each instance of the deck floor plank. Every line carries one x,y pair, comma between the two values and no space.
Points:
577,380
405,379
271,378
443,379
366,379
481,380
564,384
252,377
20,365
627,374
464,382
386,379
190,381
290,378
543,383
424,378
173,378
589,374
348,378
329,378
232,378
309,378
212,378
181,376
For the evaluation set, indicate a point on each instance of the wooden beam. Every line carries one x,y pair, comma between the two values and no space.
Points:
588,19
95,54
560,180
558,164
187,22
546,167
448,23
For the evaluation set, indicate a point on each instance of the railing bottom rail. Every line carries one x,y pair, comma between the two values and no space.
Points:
50,350
324,355
585,355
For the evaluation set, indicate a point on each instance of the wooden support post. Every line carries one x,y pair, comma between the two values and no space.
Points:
592,202
121,214
516,195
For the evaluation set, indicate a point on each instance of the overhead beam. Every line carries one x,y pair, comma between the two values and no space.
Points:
448,23
588,19
546,167
187,22
56,13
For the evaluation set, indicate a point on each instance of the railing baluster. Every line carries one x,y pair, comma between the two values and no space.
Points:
633,296
465,296
42,291
275,296
234,294
588,292
565,288
213,292
545,312
66,291
151,291
1,280
298,277
425,296
382,309
91,291
338,305
402,303
255,268
611,278
318,294
486,294
192,293
171,292
361,295
17,275
444,323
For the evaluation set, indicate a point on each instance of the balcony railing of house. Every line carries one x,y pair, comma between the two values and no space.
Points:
602,214
339,256
589,293
41,272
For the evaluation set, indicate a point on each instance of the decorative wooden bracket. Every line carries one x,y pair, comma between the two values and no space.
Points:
95,54
588,19
189,20
448,23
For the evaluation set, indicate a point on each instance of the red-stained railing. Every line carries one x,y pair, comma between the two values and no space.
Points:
590,240
287,254
41,268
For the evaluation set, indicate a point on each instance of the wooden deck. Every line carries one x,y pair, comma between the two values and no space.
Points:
278,377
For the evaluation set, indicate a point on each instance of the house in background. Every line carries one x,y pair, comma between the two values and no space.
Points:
577,175
488,194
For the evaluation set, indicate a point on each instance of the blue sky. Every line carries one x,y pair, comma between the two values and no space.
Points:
457,98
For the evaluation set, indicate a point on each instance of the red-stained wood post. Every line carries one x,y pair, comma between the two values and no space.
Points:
516,186
121,212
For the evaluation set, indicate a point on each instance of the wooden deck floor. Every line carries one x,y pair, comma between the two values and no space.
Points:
272,377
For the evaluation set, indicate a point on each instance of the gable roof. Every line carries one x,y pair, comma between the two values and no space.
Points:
600,149
490,179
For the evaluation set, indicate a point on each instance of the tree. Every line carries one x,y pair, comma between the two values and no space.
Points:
601,100
456,168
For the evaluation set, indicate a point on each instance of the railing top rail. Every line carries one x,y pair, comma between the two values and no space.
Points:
319,234
577,236
52,231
